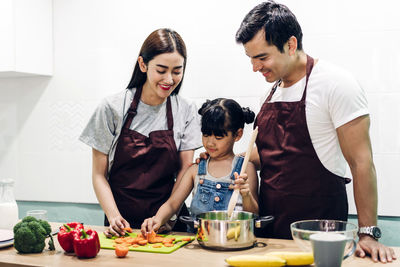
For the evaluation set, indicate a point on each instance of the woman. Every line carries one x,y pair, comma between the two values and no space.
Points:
143,138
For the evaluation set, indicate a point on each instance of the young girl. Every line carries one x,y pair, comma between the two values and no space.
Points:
214,179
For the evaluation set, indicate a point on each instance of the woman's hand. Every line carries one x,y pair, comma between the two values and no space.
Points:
149,225
116,227
242,184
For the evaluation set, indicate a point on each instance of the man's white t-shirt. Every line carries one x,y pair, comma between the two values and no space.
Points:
333,98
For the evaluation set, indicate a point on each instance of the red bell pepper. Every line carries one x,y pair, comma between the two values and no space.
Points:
66,235
86,243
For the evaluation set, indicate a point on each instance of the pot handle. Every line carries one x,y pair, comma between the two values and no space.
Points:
263,221
188,220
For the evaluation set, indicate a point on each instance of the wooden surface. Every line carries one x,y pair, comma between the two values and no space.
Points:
190,255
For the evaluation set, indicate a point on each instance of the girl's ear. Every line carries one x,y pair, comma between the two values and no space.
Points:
142,65
239,134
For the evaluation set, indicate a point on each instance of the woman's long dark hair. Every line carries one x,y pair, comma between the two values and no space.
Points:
158,42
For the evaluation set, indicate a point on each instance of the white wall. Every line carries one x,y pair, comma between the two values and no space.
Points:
95,46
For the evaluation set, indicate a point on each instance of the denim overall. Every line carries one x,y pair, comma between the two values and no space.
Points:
212,195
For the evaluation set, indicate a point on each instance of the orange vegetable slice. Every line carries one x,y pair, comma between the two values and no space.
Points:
151,237
121,251
127,229
142,242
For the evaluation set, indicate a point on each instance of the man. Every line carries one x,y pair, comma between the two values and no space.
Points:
313,120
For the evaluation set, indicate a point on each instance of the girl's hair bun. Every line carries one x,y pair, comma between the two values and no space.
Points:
205,106
248,115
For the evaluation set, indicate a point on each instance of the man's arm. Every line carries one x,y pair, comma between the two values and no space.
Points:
356,147
255,158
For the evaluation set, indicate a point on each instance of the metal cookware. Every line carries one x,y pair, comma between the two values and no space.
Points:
216,230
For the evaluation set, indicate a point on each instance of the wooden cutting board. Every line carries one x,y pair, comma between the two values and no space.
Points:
107,243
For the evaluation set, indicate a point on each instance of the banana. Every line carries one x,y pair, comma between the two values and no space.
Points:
255,260
294,258
233,232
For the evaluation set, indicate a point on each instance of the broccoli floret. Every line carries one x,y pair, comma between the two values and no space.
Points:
46,226
30,235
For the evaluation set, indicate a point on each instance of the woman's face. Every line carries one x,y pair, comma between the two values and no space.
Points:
164,73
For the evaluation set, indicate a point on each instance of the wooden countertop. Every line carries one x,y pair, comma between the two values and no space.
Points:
190,255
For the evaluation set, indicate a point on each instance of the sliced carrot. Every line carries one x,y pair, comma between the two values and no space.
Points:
129,240
158,240
168,244
127,229
157,246
121,251
135,240
119,240
151,237
186,239
135,245
140,235
142,242
168,239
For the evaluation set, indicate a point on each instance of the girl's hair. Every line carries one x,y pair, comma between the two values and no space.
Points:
158,42
222,115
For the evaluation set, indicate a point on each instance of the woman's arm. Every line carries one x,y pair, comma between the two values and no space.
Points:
104,194
248,186
172,205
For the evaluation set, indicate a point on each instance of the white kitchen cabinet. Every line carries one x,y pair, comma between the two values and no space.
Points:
26,38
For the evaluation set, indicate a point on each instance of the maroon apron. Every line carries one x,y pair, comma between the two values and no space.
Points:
142,176
294,183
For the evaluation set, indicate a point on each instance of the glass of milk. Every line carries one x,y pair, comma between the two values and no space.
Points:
8,205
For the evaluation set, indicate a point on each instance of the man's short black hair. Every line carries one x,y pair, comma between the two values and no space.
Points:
277,21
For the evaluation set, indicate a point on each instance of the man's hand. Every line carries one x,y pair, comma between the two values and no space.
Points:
379,252
203,155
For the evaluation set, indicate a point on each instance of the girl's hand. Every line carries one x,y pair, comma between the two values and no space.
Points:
242,184
149,225
116,227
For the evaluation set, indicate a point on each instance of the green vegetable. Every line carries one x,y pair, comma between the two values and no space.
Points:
30,235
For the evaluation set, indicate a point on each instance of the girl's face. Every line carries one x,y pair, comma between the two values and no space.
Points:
221,146
164,73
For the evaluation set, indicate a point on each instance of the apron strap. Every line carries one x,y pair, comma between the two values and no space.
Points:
132,109
170,119
309,67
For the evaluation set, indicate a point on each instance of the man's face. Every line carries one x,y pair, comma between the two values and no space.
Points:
267,59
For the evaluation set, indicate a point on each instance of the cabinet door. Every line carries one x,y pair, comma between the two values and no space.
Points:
26,40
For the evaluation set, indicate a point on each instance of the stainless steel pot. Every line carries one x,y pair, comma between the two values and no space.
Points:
215,230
